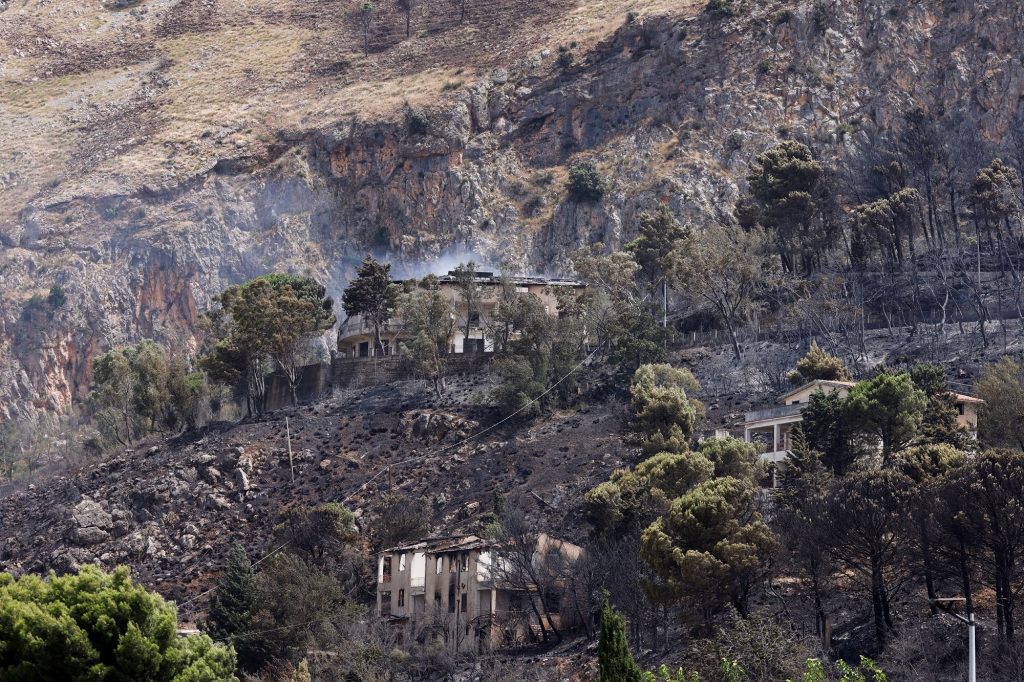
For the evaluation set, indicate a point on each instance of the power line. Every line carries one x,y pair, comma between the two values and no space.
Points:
417,458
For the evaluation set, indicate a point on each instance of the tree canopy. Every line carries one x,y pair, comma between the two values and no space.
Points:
99,626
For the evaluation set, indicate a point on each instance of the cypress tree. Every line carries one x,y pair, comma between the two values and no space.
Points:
614,659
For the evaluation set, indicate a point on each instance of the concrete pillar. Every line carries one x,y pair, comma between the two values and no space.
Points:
746,435
775,438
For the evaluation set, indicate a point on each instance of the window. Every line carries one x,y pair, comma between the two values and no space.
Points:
960,409
474,318
439,563
464,563
401,598
401,563
465,602
437,600
385,570
451,598
385,603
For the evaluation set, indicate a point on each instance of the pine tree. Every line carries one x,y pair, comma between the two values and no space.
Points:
232,606
614,659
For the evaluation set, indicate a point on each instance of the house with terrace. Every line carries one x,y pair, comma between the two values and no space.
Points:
772,426
356,338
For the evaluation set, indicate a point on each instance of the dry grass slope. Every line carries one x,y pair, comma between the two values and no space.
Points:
97,100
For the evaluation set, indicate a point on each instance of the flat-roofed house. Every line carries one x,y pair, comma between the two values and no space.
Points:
355,335
772,426
459,589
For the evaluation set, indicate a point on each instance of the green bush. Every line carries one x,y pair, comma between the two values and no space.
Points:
585,183
720,9
57,297
565,57
99,626
417,122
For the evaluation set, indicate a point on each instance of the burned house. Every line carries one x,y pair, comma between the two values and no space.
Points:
356,337
474,594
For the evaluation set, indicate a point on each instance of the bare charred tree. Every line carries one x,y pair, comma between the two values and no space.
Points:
408,7
537,566
460,7
363,15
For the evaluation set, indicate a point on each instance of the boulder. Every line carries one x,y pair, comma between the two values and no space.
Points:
89,513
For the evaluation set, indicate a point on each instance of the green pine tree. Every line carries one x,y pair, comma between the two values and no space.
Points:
614,659
232,606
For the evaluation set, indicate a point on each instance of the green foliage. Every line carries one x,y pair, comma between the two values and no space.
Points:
232,605
468,286
938,424
614,660
827,430
57,297
786,199
732,457
401,518
861,672
884,227
138,389
565,58
268,321
617,310
665,416
723,268
416,121
720,9
867,521
630,500
711,547
428,319
372,295
1002,388
99,626
317,530
889,407
637,336
585,184
819,364
658,234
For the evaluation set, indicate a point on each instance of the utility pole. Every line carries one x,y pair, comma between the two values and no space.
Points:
968,620
291,463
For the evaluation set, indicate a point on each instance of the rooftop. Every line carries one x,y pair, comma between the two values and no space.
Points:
488,277
458,543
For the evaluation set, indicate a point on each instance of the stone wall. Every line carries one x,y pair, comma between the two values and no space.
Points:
342,374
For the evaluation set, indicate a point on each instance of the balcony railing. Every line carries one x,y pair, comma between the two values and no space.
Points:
774,413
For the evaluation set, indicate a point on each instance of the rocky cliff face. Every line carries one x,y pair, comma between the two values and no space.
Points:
146,216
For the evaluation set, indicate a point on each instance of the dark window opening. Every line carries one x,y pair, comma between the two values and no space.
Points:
451,598
385,603
960,409
401,598
386,573
465,602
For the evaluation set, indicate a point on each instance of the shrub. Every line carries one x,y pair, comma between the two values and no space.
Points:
820,14
782,17
57,297
585,183
720,9
565,57
35,304
417,122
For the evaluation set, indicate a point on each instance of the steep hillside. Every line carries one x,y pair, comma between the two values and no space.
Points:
153,154
172,510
